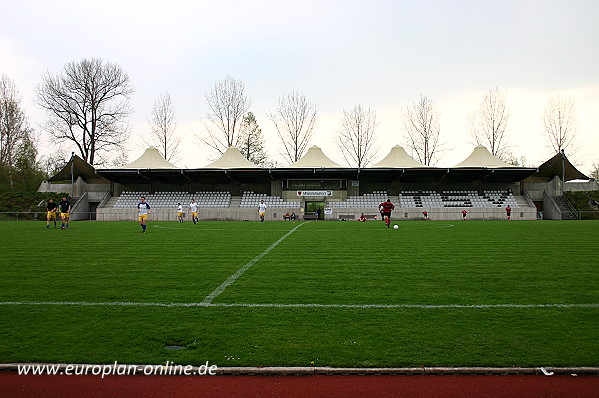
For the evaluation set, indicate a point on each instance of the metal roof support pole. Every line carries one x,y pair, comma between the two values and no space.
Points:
563,171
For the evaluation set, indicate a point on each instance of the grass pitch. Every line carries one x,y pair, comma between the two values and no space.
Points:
333,293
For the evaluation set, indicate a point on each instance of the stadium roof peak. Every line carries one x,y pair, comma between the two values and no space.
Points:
558,165
481,157
151,159
315,158
232,159
398,158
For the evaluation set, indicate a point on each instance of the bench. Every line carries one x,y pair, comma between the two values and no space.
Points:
310,217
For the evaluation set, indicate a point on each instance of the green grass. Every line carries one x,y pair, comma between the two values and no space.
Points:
336,263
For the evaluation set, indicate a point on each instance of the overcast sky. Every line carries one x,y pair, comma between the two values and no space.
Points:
382,54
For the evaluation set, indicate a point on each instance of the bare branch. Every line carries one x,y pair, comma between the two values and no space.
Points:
294,120
421,125
228,106
488,124
559,123
163,123
356,136
87,104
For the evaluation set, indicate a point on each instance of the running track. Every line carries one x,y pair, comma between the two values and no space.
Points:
12,385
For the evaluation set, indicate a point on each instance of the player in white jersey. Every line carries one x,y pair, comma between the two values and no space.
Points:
143,209
262,210
193,208
180,212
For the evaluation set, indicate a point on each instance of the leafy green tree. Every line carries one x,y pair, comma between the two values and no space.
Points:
251,141
19,169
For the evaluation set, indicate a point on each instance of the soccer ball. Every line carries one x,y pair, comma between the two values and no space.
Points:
396,226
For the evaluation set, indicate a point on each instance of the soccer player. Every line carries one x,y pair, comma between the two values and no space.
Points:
425,214
362,217
180,212
143,208
508,211
464,213
51,213
65,209
262,210
193,208
386,208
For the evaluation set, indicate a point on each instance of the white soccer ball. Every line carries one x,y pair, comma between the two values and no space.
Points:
396,226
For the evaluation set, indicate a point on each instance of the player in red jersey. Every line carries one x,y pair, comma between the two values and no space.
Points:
386,208
464,213
508,211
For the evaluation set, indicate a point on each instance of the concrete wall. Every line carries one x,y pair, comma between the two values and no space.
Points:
551,210
205,214
80,187
535,189
590,185
445,214
276,214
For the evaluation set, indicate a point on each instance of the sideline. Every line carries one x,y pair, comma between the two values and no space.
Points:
300,305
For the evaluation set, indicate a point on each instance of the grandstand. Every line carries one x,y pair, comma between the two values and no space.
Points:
231,187
432,199
170,199
251,199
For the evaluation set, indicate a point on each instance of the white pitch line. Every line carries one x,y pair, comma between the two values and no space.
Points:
209,298
299,305
218,229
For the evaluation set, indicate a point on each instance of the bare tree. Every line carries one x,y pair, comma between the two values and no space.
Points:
594,173
559,123
489,123
251,141
294,120
228,106
356,136
421,125
163,123
87,104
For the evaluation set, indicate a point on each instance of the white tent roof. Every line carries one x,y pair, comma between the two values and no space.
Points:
314,158
481,157
151,159
232,159
398,158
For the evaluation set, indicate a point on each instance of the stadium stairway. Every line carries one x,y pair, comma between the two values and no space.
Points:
563,208
235,202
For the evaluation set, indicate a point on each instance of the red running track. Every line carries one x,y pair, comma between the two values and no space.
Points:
12,385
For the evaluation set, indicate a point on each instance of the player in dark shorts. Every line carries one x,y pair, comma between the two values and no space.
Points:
386,208
464,213
425,214
508,211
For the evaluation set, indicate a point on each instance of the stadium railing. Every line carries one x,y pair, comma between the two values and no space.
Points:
40,216
570,207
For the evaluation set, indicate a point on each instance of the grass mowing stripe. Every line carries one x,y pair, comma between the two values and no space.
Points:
209,298
309,305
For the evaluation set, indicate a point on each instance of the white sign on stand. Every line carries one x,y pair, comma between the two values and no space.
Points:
314,193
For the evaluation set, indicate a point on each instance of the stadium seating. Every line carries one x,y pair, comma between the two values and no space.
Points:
433,199
366,200
130,199
252,199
